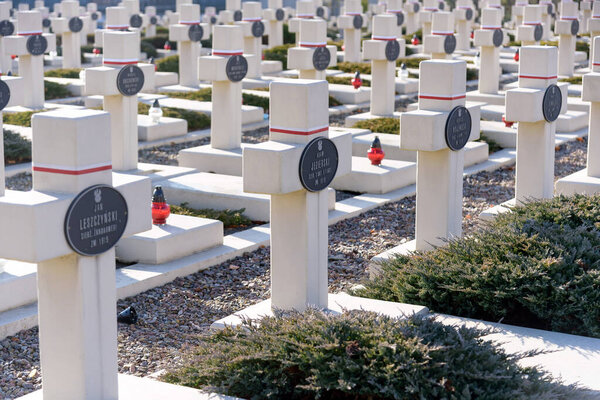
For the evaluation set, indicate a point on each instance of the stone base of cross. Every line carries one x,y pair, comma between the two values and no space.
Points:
30,44
587,181
313,55
188,33
295,167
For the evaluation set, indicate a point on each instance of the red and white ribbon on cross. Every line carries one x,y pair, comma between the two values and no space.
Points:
115,61
227,52
532,23
426,96
64,170
568,18
491,27
307,16
374,37
189,22
442,33
312,44
432,9
528,76
394,11
301,132
29,33
121,27
250,19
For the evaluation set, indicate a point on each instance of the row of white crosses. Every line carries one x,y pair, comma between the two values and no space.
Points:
30,44
441,43
295,167
352,21
188,33
313,55
567,28
489,38
383,50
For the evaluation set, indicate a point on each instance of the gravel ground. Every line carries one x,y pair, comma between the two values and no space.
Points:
172,316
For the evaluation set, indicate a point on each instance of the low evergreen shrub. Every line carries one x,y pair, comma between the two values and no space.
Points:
360,355
380,125
230,218
22,118
72,73
168,64
17,149
195,120
53,90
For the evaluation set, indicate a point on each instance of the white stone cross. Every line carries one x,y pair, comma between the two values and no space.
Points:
116,20
586,14
69,25
411,9
439,130
383,50
591,93
321,11
594,27
489,38
536,105
153,19
547,13
352,21
305,9
95,15
531,31
464,14
188,33
253,29
567,28
518,11
274,17
311,56
6,23
119,80
76,292
441,43
430,7
30,44
298,141
394,7
232,12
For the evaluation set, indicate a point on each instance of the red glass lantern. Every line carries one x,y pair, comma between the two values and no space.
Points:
96,51
516,57
13,56
167,45
508,124
375,154
415,40
356,81
160,208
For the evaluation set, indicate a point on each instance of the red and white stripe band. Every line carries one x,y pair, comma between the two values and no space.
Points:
434,9
250,19
57,169
312,44
29,33
443,33
568,18
440,97
352,13
595,16
373,37
305,15
537,77
189,22
596,64
491,27
307,132
117,26
394,11
114,61
532,23
464,8
227,52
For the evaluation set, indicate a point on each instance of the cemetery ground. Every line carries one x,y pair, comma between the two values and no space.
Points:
174,316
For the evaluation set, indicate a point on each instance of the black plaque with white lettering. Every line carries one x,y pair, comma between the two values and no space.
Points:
94,16
75,24
498,37
416,7
96,220
46,23
213,20
321,58
357,21
195,32
36,45
392,50
552,103
236,68
237,15
574,27
318,164
279,14
258,29
469,14
7,28
135,21
449,44
153,20
538,31
130,80
4,95
320,12
441,5
458,128
399,18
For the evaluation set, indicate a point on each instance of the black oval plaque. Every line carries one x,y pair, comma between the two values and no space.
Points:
469,14
130,80
135,21
237,15
549,11
195,32
36,45
399,18
392,50
279,14
94,16
7,28
416,7
574,27
75,24
153,20
498,37
236,68
96,220
449,44
4,94
318,164
213,20
552,103
357,21
441,5
46,23
320,12
258,29
321,58
458,128
538,31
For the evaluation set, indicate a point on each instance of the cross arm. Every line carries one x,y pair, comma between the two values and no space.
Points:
525,104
